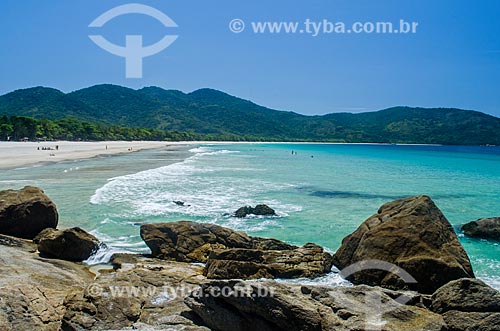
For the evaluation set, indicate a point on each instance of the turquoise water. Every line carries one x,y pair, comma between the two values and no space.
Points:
322,193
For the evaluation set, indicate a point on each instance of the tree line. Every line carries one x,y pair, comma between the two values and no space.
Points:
16,128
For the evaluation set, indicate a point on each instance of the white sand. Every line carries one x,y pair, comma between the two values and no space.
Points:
18,154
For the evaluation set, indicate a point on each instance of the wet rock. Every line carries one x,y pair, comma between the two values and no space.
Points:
259,210
486,228
26,212
72,244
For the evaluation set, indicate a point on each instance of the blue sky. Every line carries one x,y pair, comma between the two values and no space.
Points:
452,61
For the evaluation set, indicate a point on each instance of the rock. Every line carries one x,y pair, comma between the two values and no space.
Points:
270,244
181,203
466,294
487,228
468,305
192,242
307,261
146,295
32,289
271,306
260,210
72,244
413,234
26,212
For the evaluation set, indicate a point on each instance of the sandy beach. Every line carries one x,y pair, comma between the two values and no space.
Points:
19,154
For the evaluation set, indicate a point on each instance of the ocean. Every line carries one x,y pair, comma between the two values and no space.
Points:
321,192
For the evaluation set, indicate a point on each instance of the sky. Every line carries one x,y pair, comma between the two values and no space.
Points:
453,59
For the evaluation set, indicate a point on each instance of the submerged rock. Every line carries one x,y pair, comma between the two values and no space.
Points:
487,228
413,234
25,213
271,306
307,261
259,210
72,244
468,305
186,241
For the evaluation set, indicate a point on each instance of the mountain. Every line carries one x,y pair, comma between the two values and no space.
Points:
217,114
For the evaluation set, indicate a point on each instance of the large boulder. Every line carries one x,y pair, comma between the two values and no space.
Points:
468,305
271,306
413,234
487,228
307,261
259,210
26,212
186,241
72,244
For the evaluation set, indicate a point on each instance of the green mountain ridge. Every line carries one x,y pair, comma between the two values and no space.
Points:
217,114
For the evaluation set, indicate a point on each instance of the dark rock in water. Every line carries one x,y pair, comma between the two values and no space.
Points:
271,306
192,242
259,210
26,212
487,228
468,305
413,234
307,261
72,244
181,203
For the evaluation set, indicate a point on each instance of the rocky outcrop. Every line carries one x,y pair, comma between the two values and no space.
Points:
72,244
32,289
307,261
26,212
467,305
487,228
259,210
144,294
271,306
413,234
192,242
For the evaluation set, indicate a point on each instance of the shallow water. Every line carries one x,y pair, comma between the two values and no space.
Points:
321,193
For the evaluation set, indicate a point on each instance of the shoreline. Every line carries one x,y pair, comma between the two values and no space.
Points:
26,154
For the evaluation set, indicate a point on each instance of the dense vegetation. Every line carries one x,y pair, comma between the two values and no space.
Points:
115,112
20,127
